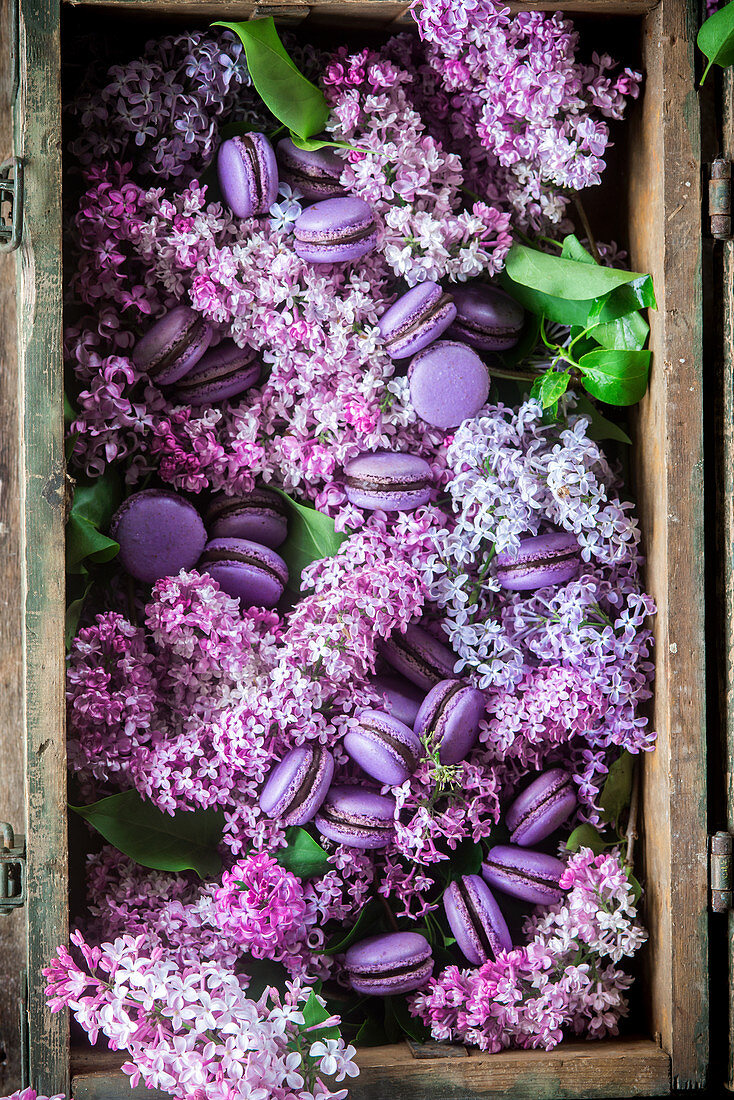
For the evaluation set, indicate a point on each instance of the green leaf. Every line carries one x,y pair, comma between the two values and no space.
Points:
293,99
586,836
371,1034
412,1026
716,39
263,973
69,410
466,859
314,1013
343,939
571,280
93,506
311,536
617,790
303,855
553,385
616,377
73,614
636,888
184,842
599,427
628,333
310,145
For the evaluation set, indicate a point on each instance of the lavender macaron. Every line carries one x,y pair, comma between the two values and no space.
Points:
172,346
335,231
383,966
356,817
221,373
383,747
248,174
553,558
487,318
448,383
541,808
388,480
449,719
253,573
476,919
159,534
259,516
524,873
298,785
400,697
416,319
419,656
315,173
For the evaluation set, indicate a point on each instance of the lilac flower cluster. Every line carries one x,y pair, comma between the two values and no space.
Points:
561,980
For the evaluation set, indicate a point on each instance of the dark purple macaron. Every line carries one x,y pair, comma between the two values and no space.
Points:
172,346
383,966
524,873
356,817
400,698
542,807
298,785
553,558
476,919
253,573
419,656
388,480
383,747
487,318
449,719
315,173
335,231
448,383
416,319
159,534
221,373
259,516
248,174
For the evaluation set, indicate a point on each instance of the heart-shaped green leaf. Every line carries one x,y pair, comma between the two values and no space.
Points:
616,377
617,790
285,91
586,836
716,39
311,536
93,506
570,280
184,842
303,855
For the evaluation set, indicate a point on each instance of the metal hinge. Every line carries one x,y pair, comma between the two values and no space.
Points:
11,204
720,872
720,198
12,869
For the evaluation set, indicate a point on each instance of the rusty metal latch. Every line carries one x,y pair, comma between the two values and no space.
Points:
720,199
11,204
12,869
720,872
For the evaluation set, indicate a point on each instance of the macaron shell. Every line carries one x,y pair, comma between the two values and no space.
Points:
315,173
221,373
399,697
286,782
159,532
452,710
258,516
419,656
258,581
416,319
449,383
364,818
392,986
524,873
182,331
541,808
376,744
335,231
372,963
390,480
248,186
552,558
486,909
487,318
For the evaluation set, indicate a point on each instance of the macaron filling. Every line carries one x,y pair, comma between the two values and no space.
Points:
515,874
231,507
570,556
440,710
400,749
413,327
307,784
420,663
371,482
222,554
489,948
192,333
359,234
553,796
197,378
246,148
334,817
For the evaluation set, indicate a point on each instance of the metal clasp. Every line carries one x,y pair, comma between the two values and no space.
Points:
720,872
11,204
12,869
720,199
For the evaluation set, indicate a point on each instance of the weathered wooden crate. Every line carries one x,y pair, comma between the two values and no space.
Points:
659,197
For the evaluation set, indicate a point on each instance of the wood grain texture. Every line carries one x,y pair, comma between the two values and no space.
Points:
12,928
665,232
620,1067
38,141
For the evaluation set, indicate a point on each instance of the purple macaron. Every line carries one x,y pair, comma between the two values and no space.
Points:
419,656
253,573
449,717
476,919
524,873
383,747
159,534
172,346
448,383
357,818
487,318
221,373
416,319
388,480
553,558
298,785
335,231
541,808
315,173
400,698
259,516
383,966
248,174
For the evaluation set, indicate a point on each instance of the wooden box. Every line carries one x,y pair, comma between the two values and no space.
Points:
660,199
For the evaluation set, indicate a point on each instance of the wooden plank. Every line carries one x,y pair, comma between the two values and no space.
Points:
12,928
665,230
38,141
618,1067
